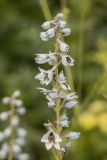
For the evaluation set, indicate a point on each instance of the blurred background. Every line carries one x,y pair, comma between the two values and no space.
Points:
20,25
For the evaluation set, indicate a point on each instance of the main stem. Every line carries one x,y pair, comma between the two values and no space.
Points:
58,107
10,155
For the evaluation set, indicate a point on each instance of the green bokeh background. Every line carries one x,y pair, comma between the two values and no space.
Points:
20,25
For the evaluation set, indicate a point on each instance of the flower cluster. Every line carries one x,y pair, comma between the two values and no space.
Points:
60,97
12,138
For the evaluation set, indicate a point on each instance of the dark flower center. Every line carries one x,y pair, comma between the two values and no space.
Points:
46,76
51,137
68,59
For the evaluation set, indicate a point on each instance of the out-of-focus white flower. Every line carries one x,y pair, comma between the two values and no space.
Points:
15,121
5,147
62,24
71,96
51,32
21,132
21,110
45,76
59,16
16,102
46,25
16,148
63,46
6,100
23,156
3,154
44,36
67,60
72,135
17,93
51,139
66,31
1,136
20,141
64,121
70,104
4,116
7,132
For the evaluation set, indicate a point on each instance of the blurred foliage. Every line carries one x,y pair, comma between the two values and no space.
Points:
20,23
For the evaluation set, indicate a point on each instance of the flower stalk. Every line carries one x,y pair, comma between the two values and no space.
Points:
60,98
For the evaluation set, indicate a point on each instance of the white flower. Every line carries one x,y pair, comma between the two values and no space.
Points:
63,82
51,139
59,16
15,121
45,58
16,102
66,31
1,136
72,135
67,60
4,116
6,100
5,147
46,25
7,132
62,24
71,96
41,58
51,32
20,141
70,104
21,132
64,121
63,46
45,76
44,36
3,154
16,93
23,156
21,110
16,148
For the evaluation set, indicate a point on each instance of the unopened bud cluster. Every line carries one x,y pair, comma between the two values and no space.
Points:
59,98
12,138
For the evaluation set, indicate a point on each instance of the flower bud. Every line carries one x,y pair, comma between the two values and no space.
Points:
44,36
62,24
4,116
59,16
66,31
63,46
51,32
46,25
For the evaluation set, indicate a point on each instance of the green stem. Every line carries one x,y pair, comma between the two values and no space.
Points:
45,9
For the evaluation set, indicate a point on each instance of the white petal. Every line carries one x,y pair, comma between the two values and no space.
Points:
66,31
70,104
57,138
63,46
62,24
44,36
73,135
51,32
59,16
57,146
41,58
45,137
46,25
49,145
